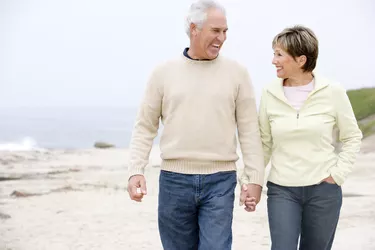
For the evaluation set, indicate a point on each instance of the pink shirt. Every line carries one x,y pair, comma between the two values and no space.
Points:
298,95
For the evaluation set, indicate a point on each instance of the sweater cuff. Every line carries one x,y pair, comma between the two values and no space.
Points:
135,171
337,177
254,177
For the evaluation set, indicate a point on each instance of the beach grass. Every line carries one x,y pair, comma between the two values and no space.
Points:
363,103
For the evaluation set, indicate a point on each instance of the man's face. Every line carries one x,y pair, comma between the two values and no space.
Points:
211,37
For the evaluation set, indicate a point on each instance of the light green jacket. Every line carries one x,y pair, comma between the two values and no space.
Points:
300,144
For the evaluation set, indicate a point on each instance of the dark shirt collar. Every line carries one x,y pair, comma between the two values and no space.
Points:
187,55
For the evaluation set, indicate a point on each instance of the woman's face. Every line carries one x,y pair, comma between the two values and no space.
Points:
286,65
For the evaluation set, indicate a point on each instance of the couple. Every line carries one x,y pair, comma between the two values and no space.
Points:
203,99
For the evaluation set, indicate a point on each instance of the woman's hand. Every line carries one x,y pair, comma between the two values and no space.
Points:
329,180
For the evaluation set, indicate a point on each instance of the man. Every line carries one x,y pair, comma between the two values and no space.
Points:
201,98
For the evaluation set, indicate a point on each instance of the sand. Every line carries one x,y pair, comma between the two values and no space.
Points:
77,199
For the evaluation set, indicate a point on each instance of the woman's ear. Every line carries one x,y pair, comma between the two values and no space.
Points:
302,60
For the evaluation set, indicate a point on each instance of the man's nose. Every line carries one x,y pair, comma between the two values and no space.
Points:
221,37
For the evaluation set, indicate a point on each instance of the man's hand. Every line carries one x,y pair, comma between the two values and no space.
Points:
246,199
137,187
330,180
255,191
250,196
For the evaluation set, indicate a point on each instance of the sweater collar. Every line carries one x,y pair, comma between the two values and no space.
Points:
276,87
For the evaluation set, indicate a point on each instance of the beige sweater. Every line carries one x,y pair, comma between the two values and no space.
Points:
201,105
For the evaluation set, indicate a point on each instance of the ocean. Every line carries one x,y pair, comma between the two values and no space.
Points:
27,128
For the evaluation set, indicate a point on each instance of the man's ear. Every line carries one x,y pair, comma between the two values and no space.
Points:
193,29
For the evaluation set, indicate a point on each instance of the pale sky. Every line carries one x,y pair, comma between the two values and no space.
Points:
101,52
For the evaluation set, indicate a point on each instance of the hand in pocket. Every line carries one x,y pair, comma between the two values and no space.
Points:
329,180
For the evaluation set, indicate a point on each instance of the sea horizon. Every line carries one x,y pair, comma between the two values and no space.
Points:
78,127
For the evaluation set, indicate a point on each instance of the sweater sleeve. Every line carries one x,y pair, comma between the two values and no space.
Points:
265,128
349,134
248,133
146,126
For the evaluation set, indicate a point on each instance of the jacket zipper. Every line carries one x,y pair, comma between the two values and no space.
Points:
297,118
298,112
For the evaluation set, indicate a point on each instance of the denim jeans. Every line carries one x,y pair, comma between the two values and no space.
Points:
196,211
308,213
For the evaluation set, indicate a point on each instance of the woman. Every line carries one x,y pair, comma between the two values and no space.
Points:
298,113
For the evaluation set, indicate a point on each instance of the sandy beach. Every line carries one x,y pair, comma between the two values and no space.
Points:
77,199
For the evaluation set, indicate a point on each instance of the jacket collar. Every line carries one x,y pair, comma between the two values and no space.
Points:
276,87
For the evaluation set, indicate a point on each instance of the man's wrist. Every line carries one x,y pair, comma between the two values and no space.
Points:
256,184
134,175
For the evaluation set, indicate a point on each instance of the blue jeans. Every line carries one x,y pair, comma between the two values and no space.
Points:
310,213
196,211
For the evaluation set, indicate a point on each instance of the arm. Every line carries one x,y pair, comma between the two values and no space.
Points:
248,134
146,126
265,128
350,136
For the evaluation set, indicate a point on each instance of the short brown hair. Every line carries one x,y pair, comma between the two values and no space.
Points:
297,41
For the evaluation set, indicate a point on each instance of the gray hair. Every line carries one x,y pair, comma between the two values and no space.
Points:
198,13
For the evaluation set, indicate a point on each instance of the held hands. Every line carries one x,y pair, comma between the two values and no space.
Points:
250,196
137,187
